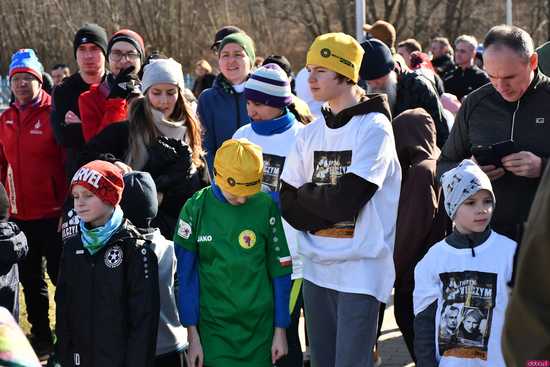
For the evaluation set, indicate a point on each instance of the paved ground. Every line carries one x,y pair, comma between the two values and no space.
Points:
392,347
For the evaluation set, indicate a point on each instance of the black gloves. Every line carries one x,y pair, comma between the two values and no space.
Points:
169,162
126,84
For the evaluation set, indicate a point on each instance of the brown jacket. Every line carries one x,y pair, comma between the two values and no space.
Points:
420,222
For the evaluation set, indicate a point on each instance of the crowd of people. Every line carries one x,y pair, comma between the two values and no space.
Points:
195,226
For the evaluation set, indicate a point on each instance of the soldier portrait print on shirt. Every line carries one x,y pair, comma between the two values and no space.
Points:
466,314
328,168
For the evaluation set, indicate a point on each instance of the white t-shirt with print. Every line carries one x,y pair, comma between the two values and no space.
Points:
355,256
275,149
472,296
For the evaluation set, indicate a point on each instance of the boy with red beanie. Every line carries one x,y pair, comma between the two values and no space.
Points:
107,295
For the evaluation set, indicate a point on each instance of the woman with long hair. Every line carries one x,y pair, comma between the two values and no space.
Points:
162,136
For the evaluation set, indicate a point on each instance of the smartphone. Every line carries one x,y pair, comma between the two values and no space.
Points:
492,154
484,155
504,148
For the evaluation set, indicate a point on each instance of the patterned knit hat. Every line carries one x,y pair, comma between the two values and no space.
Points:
239,167
269,85
462,182
131,37
25,61
103,179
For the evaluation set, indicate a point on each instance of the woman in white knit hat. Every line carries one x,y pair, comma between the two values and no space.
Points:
162,136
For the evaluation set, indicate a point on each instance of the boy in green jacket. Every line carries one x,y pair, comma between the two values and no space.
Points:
234,266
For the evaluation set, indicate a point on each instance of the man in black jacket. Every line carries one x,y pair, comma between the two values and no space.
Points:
513,107
405,90
466,77
442,56
90,46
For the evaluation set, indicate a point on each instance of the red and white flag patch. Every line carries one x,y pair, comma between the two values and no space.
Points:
285,261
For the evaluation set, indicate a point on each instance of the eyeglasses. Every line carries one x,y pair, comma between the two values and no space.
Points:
117,55
22,78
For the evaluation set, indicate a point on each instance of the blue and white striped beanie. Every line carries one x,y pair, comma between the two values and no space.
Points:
269,85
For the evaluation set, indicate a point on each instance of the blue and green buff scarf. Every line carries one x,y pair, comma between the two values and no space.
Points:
94,239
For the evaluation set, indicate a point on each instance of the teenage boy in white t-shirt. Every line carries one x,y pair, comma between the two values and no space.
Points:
340,189
460,293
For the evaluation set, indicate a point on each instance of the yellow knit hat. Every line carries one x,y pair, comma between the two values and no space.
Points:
239,167
338,52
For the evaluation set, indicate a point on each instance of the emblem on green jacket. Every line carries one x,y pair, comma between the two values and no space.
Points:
247,239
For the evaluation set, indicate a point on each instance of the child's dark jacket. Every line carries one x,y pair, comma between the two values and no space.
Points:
108,303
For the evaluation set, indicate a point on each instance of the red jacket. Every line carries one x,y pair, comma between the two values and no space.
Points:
31,161
97,111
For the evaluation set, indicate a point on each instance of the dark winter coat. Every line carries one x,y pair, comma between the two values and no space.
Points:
108,303
65,99
443,65
13,248
462,82
415,91
485,118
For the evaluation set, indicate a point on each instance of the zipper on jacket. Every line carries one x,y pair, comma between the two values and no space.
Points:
19,157
92,336
514,121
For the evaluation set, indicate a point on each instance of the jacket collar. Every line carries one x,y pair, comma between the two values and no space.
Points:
39,101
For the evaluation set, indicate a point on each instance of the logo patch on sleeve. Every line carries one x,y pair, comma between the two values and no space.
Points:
184,229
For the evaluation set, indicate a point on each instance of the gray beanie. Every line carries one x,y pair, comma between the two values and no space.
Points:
159,71
462,182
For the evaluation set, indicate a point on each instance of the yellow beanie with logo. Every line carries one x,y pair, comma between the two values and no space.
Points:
239,167
338,52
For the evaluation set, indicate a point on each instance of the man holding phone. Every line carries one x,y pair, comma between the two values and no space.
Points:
505,126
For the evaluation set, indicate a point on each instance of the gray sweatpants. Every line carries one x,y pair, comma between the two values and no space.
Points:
341,326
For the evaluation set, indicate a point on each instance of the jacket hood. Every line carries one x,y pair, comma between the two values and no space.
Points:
415,137
373,103
139,198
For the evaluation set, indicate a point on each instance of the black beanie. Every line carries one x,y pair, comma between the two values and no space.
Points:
377,60
4,203
91,33
222,33
139,198
281,61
